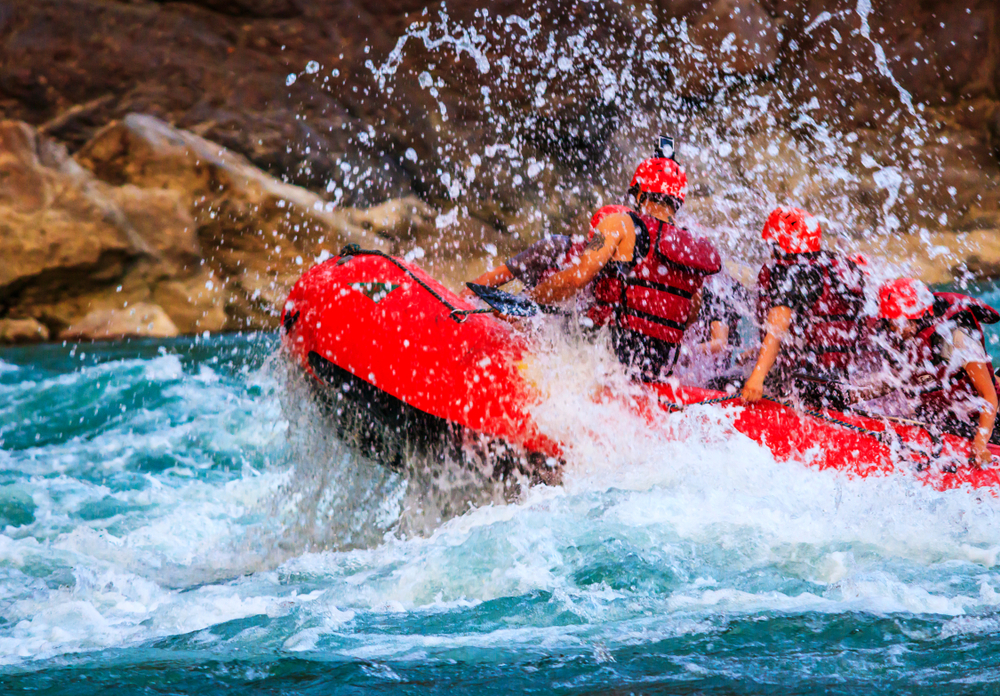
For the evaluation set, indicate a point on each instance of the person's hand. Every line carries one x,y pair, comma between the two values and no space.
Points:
981,455
466,293
753,390
746,356
515,322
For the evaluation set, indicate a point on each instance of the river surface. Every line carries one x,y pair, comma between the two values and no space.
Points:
170,525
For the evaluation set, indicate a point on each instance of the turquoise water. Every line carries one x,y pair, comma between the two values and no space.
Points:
175,519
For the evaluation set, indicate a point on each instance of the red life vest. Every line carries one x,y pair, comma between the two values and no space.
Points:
942,389
830,332
652,294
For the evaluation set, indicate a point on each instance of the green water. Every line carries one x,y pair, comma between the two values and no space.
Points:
158,537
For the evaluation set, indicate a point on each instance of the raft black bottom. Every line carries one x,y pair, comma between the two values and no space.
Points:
388,429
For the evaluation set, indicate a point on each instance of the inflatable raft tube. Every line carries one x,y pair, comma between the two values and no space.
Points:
407,365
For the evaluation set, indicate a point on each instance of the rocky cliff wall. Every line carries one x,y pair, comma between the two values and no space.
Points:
153,231
473,126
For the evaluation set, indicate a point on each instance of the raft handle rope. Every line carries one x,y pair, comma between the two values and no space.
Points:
674,407
878,434
883,436
459,315
886,437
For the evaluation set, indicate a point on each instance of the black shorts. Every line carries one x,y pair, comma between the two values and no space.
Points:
812,391
652,359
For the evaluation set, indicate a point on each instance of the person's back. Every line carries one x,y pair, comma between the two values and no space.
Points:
646,272
649,300
941,357
826,294
809,304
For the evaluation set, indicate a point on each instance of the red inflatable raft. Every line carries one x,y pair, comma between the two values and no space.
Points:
409,364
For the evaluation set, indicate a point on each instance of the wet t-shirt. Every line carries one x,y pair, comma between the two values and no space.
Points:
531,264
796,285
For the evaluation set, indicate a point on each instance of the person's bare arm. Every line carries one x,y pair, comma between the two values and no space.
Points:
695,309
982,379
778,320
601,249
491,279
718,337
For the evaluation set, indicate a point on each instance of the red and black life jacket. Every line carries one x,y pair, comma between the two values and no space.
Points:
940,388
828,334
652,294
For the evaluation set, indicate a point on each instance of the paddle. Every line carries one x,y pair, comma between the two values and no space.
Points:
504,302
853,395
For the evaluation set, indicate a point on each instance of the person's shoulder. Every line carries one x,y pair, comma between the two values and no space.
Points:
811,264
619,216
607,210
556,243
617,224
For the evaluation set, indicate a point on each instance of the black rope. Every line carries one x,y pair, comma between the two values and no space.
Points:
809,412
880,435
886,437
459,315
680,407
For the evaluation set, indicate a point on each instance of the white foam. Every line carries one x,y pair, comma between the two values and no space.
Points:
166,368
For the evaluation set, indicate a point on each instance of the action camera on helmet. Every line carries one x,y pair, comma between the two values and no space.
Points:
665,147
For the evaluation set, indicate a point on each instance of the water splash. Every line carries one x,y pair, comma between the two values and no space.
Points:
665,537
569,112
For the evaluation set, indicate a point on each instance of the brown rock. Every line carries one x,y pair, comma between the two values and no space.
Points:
153,215
942,257
946,53
739,37
235,72
253,8
57,234
994,131
682,9
70,243
194,304
726,38
22,331
257,233
145,152
400,219
162,218
138,320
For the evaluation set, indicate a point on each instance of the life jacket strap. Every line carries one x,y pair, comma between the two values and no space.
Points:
831,349
639,314
662,287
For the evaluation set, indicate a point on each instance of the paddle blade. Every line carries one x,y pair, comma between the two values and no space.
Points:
504,302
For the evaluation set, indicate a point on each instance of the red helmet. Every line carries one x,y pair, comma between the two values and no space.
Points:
904,297
794,230
660,175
